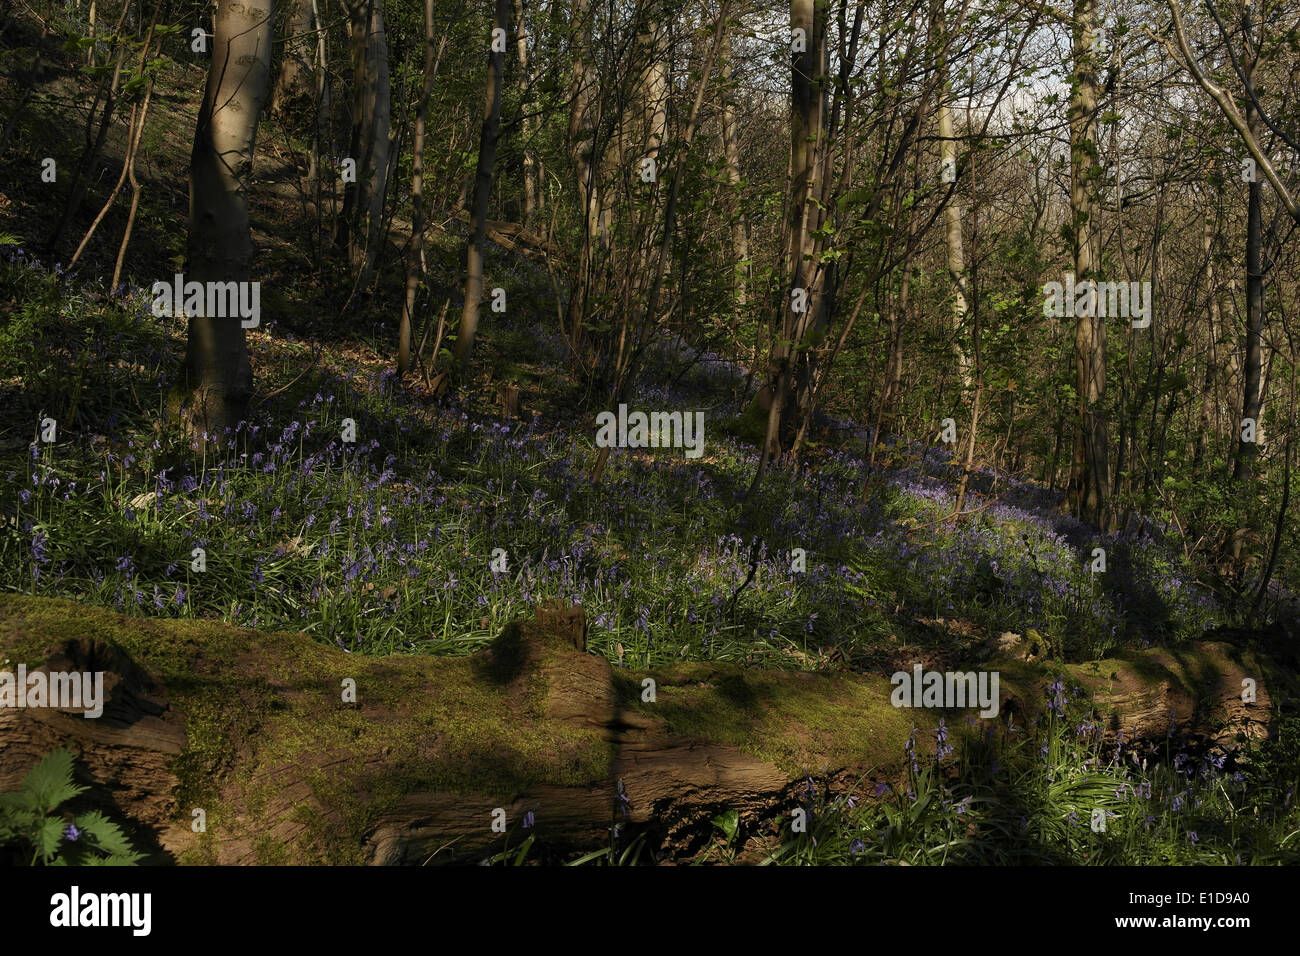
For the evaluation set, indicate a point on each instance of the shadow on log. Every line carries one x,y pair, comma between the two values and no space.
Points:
296,752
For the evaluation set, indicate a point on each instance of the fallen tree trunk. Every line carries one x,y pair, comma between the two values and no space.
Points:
296,752
517,237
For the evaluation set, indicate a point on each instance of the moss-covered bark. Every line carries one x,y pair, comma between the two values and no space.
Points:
252,728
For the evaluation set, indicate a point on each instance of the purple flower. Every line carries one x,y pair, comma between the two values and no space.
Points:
529,820
39,553
1056,697
71,834
942,747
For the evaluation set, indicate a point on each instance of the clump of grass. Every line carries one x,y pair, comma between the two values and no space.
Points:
1056,792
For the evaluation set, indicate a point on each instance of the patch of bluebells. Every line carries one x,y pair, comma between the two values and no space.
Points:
415,506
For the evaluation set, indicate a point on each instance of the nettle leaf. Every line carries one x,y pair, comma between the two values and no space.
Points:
19,806
48,837
50,781
107,835
116,859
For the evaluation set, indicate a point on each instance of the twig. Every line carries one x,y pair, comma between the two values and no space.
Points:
316,354
753,567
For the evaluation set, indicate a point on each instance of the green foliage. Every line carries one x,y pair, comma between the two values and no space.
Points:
1030,795
31,821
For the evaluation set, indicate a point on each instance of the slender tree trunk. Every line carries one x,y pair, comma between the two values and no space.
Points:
952,235
582,143
417,201
487,157
363,204
1090,485
1212,375
135,183
217,377
378,101
1244,466
295,78
969,463
321,140
529,124
731,155
1279,526
801,300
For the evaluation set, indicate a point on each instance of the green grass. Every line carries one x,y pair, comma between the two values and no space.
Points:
1028,796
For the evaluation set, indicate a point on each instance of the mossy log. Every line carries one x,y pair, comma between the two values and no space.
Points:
256,730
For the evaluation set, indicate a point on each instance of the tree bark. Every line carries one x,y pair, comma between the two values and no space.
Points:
487,157
529,124
582,135
361,224
413,266
802,300
1213,373
217,378
731,155
1244,465
952,214
295,80
1090,486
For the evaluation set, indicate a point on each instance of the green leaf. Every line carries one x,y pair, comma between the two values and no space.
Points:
48,837
106,834
50,781
116,859
523,851
728,823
